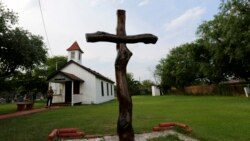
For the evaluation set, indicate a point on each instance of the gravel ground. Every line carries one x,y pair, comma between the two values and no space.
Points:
142,137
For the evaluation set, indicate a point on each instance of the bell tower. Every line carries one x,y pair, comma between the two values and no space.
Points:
75,53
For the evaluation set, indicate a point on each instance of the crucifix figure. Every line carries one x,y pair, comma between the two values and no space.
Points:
124,123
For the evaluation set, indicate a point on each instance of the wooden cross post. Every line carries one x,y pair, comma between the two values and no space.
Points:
124,124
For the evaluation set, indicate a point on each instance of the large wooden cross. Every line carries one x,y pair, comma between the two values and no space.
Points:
124,124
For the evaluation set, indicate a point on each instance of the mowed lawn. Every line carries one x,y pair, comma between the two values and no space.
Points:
212,118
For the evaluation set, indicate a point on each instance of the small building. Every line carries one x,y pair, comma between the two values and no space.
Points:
155,91
75,83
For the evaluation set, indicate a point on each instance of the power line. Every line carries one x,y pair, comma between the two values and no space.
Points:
45,27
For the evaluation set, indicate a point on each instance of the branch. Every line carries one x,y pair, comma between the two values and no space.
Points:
107,37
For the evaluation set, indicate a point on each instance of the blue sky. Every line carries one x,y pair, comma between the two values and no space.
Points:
173,21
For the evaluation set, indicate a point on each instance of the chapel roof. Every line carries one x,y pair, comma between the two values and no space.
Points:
75,46
67,75
71,76
98,75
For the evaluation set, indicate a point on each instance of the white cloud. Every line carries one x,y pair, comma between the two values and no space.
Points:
186,18
99,2
122,1
143,2
94,2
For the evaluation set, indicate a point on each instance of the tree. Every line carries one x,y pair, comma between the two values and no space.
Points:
133,85
28,84
19,49
39,74
179,68
220,53
207,71
7,19
146,86
55,63
227,37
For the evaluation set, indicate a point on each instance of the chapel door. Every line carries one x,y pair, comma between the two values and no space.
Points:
68,91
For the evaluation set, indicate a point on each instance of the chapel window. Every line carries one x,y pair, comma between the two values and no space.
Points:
102,88
72,55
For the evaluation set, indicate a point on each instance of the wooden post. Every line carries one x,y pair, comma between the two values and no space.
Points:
124,123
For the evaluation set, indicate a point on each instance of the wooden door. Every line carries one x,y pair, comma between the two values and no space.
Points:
68,91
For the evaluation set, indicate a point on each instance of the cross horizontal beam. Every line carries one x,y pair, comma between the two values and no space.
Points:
107,37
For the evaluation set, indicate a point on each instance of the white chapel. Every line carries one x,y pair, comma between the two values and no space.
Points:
77,84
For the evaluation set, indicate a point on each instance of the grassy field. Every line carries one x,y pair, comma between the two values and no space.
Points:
10,108
212,118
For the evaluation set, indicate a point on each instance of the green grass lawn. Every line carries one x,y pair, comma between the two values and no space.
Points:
10,108
212,118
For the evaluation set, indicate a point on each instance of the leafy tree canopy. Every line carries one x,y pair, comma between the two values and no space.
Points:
179,67
227,37
133,85
55,63
221,51
19,49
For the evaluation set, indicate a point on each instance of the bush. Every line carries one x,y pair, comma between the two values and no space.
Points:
220,89
229,89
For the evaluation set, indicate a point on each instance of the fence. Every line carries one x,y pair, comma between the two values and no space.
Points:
220,89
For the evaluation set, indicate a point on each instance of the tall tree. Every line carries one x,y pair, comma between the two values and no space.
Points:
55,63
133,85
179,68
19,49
221,52
228,38
207,71
146,86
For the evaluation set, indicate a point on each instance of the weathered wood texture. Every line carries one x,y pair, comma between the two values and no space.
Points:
107,37
124,123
